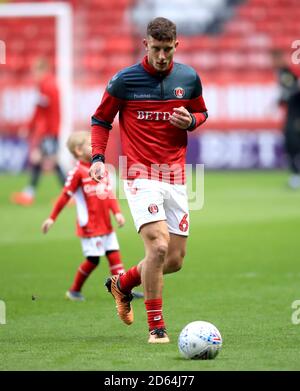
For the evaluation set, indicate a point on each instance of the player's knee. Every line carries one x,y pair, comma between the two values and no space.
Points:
174,261
35,157
174,265
157,243
159,249
94,259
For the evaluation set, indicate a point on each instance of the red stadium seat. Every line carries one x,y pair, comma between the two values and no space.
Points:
105,38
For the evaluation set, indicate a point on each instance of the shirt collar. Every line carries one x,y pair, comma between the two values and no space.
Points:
84,163
150,69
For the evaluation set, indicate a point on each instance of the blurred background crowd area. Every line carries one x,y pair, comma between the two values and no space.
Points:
228,42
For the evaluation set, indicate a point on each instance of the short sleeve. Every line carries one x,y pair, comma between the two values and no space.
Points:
72,182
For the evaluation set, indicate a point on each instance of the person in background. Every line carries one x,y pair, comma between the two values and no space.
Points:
289,90
42,132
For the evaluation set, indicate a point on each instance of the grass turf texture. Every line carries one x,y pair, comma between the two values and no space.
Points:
241,272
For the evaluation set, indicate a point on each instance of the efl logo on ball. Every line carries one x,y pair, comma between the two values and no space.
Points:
179,92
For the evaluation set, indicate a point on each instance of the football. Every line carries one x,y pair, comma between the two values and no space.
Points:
200,340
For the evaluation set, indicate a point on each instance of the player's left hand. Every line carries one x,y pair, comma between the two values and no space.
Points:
120,219
181,118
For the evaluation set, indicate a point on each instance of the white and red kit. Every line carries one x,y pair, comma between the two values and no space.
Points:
94,202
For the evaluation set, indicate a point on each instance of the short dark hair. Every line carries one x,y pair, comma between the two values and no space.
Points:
162,29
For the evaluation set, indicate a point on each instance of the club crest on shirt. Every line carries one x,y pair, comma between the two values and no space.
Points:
153,208
179,92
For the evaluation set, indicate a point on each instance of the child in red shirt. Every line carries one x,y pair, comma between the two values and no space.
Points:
94,203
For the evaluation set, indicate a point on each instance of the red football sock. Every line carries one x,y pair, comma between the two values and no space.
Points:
154,313
130,279
82,274
115,264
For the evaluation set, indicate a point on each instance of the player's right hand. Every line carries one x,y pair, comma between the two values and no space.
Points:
47,224
97,171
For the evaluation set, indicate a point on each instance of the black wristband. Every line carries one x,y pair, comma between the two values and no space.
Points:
98,158
193,123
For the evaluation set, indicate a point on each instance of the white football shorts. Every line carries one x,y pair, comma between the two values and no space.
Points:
150,200
99,245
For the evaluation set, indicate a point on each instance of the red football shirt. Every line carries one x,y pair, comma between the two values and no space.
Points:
46,117
145,99
94,201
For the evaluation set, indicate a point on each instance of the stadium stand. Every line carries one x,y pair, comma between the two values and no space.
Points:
233,34
227,41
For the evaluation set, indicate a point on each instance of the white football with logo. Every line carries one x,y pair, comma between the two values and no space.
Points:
200,340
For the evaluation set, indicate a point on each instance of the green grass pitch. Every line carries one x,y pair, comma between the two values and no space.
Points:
241,272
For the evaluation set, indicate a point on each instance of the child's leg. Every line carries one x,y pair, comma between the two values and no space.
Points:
115,263
84,270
